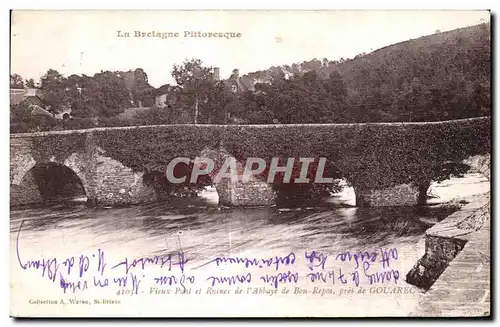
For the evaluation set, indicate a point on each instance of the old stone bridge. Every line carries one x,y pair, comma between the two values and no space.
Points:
386,163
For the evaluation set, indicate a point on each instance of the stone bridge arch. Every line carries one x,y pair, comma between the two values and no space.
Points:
30,178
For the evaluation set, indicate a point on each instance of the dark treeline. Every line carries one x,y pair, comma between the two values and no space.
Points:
438,77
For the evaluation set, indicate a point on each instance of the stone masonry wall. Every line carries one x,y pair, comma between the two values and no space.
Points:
253,193
443,242
115,184
25,193
400,195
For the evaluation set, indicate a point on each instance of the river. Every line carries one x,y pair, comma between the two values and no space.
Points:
203,231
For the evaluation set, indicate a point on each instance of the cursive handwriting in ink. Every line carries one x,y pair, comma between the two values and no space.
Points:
316,259
125,281
322,276
387,255
173,280
381,277
83,265
261,263
69,263
355,277
231,280
155,260
357,257
48,266
275,280
101,264
73,286
341,277
136,282
101,282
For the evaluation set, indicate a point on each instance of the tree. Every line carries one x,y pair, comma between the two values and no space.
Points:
306,98
105,94
113,95
86,95
54,92
196,83
219,102
30,83
16,81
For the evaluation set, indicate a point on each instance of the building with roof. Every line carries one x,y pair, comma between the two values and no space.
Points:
20,95
32,98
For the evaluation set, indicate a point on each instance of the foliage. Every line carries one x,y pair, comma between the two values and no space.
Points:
113,93
151,148
78,123
438,77
197,83
30,83
443,76
155,116
306,98
402,153
53,86
395,151
58,145
16,81
21,120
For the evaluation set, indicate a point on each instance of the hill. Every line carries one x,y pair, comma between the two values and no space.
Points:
437,77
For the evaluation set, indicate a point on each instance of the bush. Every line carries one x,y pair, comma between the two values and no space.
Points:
113,122
78,123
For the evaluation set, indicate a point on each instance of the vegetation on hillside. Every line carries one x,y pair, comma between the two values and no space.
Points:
437,77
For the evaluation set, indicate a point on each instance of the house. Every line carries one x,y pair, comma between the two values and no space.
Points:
32,99
31,96
161,100
61,115
36,110
238,84
166,96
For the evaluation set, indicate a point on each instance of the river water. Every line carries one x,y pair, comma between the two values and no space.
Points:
202,231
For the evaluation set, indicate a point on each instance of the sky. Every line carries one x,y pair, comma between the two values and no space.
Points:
86,42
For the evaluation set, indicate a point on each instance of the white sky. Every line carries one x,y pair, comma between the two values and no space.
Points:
86,42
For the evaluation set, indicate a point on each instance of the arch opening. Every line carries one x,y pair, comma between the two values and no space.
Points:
327,186
52,182
203,189
452,180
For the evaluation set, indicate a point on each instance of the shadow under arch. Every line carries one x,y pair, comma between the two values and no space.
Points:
316,191
165,190
52,182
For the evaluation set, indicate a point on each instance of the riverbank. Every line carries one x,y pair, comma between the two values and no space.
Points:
455,269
